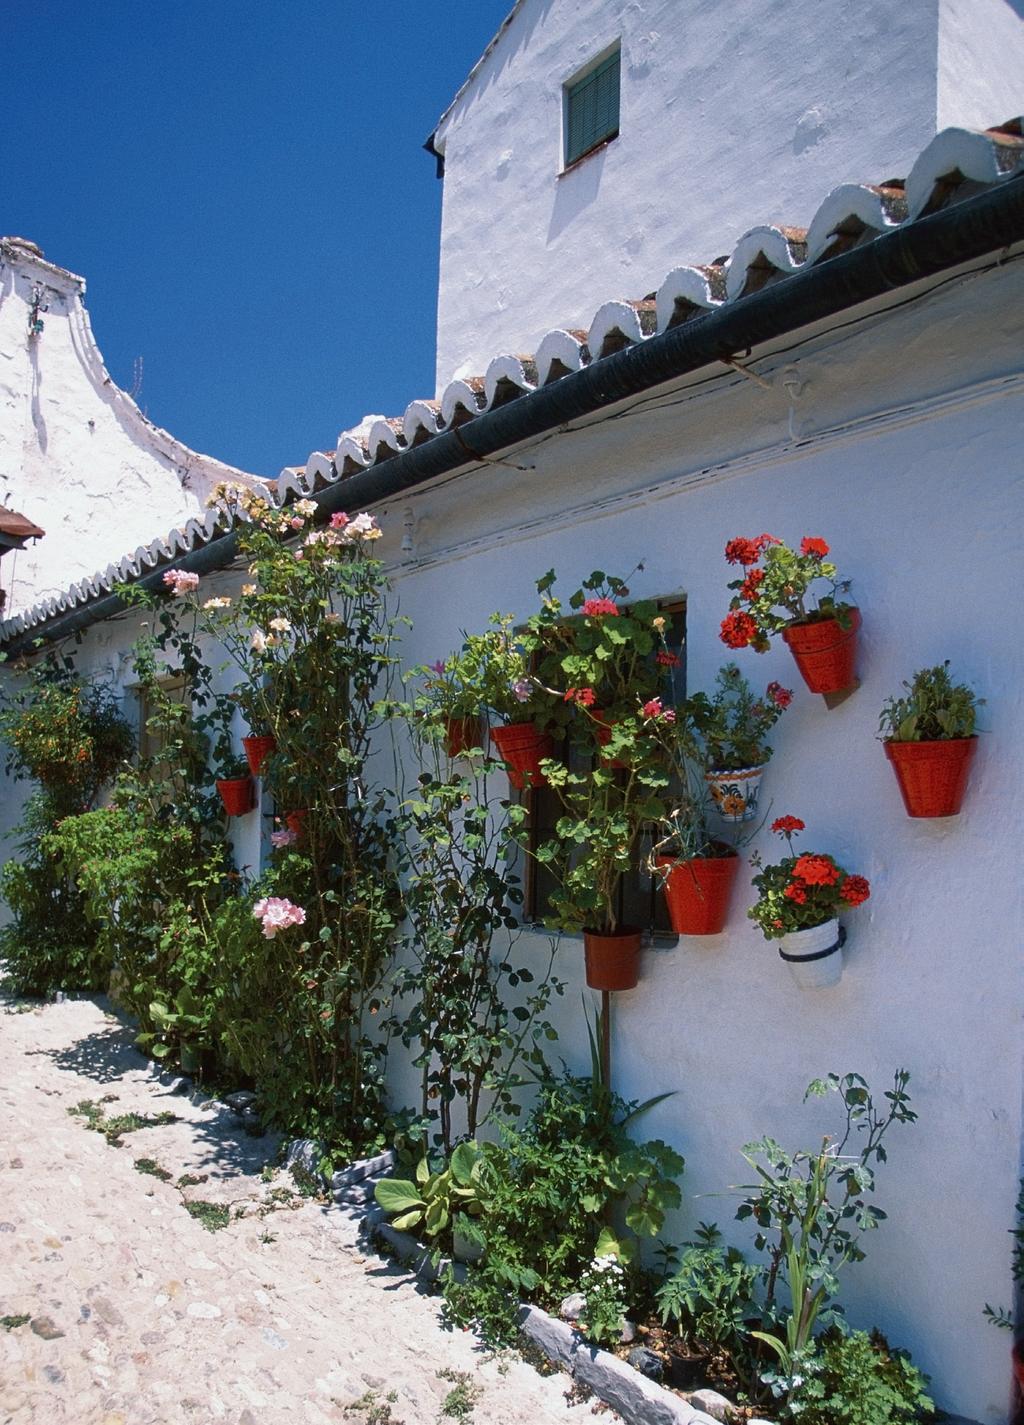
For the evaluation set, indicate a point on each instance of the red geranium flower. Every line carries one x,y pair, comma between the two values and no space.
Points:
854,890
738,629
742,551
787,825
795,892
655,709
582,697
667,660
748,589
814,546
780,696
594,608
816,870
763,540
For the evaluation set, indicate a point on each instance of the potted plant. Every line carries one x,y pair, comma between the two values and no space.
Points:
492,671
697,869
774,597
235,787
929,738
597,656
799,903
732,727
454,699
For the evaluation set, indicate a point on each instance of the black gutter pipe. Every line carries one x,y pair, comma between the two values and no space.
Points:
960,233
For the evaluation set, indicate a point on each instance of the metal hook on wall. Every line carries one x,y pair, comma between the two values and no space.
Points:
794,388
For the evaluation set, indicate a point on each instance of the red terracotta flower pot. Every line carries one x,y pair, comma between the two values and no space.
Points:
697,892
522,748
825,653
296,821
932,775
613,961
257,750
238,795
461,734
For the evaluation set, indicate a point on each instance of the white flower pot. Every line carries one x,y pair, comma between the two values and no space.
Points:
735,794
814,957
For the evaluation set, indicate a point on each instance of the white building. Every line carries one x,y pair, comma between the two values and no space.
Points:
860,381
727,117
77,456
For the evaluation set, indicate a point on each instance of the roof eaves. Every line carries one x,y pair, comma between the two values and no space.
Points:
699,315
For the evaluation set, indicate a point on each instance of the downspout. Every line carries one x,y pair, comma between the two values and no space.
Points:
961,233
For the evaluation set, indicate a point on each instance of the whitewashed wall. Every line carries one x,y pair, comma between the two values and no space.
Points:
77,456
906,460
730,117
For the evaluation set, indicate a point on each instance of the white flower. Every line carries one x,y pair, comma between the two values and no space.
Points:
259,641
305,507
364,526
280,625
221,603
248,588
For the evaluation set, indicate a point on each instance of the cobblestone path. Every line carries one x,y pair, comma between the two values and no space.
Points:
140,1315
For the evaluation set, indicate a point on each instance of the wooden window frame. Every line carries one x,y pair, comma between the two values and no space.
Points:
573,92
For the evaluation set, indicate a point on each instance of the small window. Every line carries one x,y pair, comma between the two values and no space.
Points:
592,108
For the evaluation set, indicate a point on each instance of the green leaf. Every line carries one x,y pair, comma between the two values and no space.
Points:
397,1195
464,1160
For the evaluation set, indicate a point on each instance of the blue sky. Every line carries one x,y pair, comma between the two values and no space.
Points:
244,188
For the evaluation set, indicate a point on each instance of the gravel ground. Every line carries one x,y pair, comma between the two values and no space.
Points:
140,1315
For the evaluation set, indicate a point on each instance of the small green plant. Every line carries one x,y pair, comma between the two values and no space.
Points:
860,1380
113,1129
460,1401
711,1294
934,709
374,1410
190,1180
603,1286
152,1168
11,1323
732,726
811,1209
213,1215
429,1204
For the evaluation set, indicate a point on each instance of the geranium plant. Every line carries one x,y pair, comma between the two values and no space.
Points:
598,659
777,590
802,890
732,725
489,673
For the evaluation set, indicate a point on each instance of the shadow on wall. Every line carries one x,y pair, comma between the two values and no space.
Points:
575,191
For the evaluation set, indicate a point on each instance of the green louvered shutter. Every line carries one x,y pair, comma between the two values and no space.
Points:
592,109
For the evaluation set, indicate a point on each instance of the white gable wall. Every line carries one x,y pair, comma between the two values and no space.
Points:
77,456
730,117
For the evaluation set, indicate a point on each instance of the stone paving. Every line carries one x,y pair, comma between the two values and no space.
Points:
139,1315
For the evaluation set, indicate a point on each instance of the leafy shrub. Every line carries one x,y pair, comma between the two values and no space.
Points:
860,1380
711,1295
48,945
69,737
548,1189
